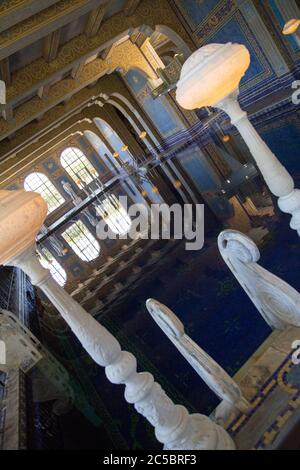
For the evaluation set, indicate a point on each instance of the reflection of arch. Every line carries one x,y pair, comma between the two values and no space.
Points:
94,139
113,138
101,150
175,38
112,164
124,155
135,112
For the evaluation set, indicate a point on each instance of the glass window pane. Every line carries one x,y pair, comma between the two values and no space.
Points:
78,166
40,183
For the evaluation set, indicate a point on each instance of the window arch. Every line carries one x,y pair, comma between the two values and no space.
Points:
78,166
48,261
82,242
41,184
114,214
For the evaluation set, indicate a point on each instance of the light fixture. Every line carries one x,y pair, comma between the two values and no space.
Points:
22,214
154,189
142,134
226,138
228,181
210,74
144,193
168,77
177,184
124,148
211,77
291,26
116,155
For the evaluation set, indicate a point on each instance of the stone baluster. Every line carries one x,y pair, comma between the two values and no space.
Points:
174,426
277,301
213,375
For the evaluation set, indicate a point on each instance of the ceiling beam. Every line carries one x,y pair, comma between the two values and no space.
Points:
77,70
5,71
14,12
104,55
52,109
50,45
94,21
131,6
8,114
40,25
27,80
43,91
125,55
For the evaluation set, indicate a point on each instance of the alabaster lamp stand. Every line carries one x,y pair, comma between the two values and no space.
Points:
21,215
211,77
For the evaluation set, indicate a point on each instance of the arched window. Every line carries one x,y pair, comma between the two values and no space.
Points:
41,184
114,214
78,166
48,261
82,242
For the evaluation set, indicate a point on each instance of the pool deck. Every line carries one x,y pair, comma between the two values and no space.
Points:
271,383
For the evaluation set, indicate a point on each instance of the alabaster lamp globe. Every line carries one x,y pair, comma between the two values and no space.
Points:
291,26
22,214
210,74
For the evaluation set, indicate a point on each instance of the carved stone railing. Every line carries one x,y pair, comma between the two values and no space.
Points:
277,301
207,368
174,426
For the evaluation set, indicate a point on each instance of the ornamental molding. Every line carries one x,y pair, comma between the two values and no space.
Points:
80,48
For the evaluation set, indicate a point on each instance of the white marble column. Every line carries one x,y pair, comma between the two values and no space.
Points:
211,77
278,179
174,426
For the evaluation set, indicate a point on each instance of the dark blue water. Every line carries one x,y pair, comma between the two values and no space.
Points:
217,314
